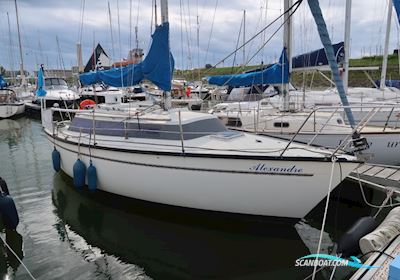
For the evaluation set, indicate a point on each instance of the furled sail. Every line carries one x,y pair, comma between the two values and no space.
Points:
273,74
40,83
157,67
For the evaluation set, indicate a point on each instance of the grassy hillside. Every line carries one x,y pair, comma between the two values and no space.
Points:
356,78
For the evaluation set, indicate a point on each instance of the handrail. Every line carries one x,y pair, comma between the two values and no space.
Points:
361,124
298,131
323,126
388,119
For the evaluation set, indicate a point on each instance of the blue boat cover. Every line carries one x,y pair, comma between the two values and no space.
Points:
157,67
3,83
318,57
389,83
277,73
40,83
396,4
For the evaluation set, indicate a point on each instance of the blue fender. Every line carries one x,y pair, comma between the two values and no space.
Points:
79,170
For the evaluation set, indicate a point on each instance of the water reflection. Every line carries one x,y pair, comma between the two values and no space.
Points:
10,131
172,244
8,262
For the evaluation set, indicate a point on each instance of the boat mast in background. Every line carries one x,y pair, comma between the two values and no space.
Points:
11,50
244,39
23,82
287,43
347,31
386,49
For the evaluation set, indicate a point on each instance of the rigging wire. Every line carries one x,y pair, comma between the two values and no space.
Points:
294,7
212,28
237,44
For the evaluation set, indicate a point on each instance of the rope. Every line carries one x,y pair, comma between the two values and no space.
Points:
16,256
325,216
334,270
389,195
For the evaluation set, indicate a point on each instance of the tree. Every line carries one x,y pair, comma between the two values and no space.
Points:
208,66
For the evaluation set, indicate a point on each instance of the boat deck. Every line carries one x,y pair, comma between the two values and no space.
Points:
378,176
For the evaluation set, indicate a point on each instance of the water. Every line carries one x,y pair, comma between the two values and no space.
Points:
69,234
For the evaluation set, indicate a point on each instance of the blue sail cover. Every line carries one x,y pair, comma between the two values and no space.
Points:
3,83
318,57
274,74
157,67
40,83
396,4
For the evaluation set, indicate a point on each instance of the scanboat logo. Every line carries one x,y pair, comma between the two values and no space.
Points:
263,168
328,260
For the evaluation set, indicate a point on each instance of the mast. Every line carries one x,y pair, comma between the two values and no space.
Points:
111,31
11,51
287,43
386,49
164,19
164,11
155,13
23,83
244,38
346,65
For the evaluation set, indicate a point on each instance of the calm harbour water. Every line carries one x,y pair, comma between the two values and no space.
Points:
69,234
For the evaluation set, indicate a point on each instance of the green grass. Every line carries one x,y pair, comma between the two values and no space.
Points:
356,78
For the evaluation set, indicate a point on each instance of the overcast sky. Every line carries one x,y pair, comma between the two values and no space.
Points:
43,20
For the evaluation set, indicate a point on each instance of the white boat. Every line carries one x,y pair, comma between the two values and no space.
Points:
205,167
101,94
190,159
57,91
324,128
10,106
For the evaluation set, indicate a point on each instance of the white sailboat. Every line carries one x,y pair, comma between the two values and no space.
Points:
189,159
10,106
270,117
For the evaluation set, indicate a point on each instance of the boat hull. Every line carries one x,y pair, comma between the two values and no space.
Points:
10,110
384,148
245,186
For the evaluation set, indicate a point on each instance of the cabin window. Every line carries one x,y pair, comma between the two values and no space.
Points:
339,121
281,124
55,82
192,130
